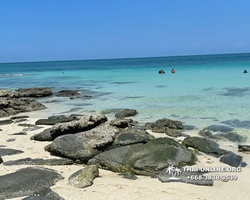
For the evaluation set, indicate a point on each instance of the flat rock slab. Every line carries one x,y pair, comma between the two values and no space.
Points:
38,161
25,181
231,159
6,122
44,193
8,152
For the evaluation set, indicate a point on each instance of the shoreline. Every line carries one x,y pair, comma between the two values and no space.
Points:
109,184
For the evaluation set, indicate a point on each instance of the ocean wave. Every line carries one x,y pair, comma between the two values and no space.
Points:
14,75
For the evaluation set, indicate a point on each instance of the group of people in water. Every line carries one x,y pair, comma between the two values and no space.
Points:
162,71
173,71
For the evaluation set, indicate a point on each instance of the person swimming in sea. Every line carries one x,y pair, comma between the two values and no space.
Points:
161,71
245,71
173,71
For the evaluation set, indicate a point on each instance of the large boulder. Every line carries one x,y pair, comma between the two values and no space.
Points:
25,181
14,106
34,92
126,113
145,159
204,145
163,125
84,177
220,132
83,146
84,123
131,135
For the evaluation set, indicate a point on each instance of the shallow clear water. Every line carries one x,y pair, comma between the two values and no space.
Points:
205,90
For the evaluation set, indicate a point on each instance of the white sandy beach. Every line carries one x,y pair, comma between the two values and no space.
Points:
111,186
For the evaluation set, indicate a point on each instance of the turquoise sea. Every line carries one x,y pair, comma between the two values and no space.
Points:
205,90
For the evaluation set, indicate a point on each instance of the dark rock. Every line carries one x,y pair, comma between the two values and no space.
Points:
67,93
145,159
110,111
56,119
231,159
44,193
84,177
131,136
243,148
18,105
8,152
173,132
20,133
45,135
161,125
34,92
221,132
27,125
126,113
237,123
19,117
123,123
83,146
6,122
85,123
165,176
11,140
1,160
204,145
189,127
38,161
25,181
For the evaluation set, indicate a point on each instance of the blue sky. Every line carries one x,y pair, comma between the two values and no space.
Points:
41,30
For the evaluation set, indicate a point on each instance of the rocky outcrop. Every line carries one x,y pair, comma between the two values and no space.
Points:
25,181
1,160
84,123
204,145
220,132
67,93
14,106
163,125
57,119
78,124
9,94
126,113
38,161
45,135
145,159
44,193
231,159
123,123
34,92
131,135
84,177
83,146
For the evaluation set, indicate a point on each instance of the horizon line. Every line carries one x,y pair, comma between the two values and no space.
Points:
121,58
